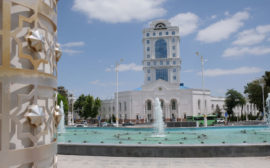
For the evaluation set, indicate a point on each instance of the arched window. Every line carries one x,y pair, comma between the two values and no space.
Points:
125,106
161,103
161,48
149,105
173,104
120,107
199,104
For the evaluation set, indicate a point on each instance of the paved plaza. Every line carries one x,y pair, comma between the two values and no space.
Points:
71,161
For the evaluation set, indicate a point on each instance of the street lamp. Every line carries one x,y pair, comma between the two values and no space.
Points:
261,81
204,103
116,70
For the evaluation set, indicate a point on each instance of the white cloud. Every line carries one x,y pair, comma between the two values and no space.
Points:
126,67
103,84
227,13
237,71
130,67
213,16
263,29
73,44
108,69
249,37
188,70
119,11
222,29
187,22
252,36
71,52
239,51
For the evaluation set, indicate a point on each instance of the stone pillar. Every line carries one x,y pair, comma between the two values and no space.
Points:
28,81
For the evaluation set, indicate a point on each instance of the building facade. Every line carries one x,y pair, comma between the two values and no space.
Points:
161,66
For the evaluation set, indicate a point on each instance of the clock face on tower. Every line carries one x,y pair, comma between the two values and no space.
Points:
160,26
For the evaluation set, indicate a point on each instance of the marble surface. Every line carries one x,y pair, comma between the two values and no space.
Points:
71,161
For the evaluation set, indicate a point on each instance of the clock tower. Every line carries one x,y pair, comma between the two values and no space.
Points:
161,52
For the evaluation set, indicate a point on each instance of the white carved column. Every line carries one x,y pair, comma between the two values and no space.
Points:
28,80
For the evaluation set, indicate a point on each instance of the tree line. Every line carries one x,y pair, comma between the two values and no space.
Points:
86,105
253,90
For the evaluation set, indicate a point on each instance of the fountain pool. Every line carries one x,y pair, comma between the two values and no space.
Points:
175,142
213,135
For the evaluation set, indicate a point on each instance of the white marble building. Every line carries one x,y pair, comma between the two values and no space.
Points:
161,66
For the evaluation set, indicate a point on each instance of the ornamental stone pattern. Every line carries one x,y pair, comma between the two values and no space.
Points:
28,81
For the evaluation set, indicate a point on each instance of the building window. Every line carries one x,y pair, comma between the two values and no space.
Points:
147,34
173,47
148,49
113,108
174,77
160,33
161,103
149,105
148,41
173,104
125,106
148,78
173,40
173,33
148,63
109,109
162,74
154,34
120,107
174,70
148,70
199,104
148,56
161,62
168,62
167,33
155,63
174,62
173,54
161,48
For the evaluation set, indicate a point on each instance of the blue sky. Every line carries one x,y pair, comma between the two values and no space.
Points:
233,36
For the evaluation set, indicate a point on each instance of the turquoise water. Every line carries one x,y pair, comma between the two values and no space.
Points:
213,135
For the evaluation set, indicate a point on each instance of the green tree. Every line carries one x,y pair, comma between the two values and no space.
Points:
87,106
233,99
254,90
79,103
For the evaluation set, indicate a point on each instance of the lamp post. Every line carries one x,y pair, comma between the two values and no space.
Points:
116,69
72,109
261,81
204,103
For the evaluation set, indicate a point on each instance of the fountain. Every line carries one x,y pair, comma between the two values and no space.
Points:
61,127
158,124
268,110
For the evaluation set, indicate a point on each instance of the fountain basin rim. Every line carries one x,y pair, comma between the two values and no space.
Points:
165,145
165,150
